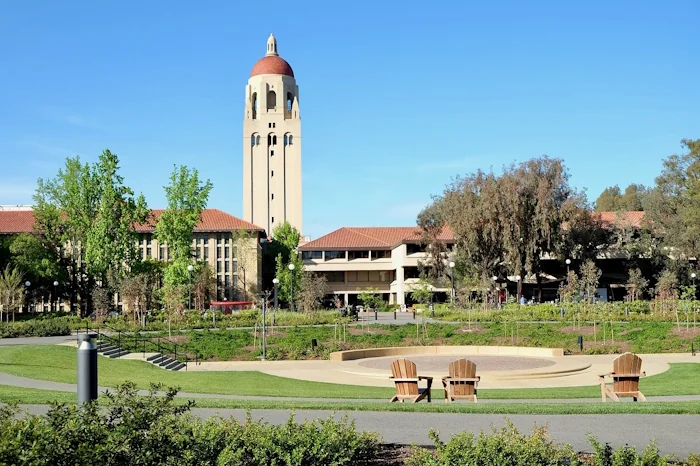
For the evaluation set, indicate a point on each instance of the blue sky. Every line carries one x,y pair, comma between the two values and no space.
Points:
396,97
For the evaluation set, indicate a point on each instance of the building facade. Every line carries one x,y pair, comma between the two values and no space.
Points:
272,144
384,258
229,245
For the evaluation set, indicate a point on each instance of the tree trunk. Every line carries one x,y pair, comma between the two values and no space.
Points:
539,286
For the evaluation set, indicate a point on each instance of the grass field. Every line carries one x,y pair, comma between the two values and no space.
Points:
33,396
58,364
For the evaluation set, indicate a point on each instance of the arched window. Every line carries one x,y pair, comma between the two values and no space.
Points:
285,139
269,139
254,100
290,139
257,140
274,140
252,140
290,100
271,100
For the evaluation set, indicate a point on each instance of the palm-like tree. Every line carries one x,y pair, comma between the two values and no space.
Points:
11,290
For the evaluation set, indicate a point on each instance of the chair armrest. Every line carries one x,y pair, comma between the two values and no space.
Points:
424,377
462,379
404,380
625,375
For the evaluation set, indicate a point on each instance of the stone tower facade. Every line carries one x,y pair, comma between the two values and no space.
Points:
272,144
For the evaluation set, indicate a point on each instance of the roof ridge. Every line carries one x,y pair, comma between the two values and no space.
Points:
368,236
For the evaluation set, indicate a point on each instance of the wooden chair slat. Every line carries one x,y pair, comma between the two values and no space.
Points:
627,369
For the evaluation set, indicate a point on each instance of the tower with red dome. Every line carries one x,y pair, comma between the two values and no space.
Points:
272,144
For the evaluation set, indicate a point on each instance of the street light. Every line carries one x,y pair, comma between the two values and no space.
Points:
55,295
568,263
275,282
517,279
452,276
291,287
27,284
190,268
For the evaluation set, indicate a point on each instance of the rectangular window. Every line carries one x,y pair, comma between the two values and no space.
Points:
227,250
218,266
312,255
358,255
414,248
273,195
385,276
273,219
272,153
218,252
381,254
374,275
362,276
226,266
218,238
235,251
206,252
235,267
352,276
148,251
334,255
335,277
161,255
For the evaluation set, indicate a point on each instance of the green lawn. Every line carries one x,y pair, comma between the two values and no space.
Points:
58,364
34,396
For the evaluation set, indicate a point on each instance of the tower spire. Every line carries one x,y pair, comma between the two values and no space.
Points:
271,46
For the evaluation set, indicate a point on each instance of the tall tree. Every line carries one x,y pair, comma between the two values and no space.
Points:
469,206
39,263
609,199
187,197
111,247
64,210
634,198
533,195
286,241
673,208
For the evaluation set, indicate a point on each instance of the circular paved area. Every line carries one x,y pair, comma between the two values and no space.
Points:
441,363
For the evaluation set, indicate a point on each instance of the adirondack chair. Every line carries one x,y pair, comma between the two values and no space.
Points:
627,369
406,379
462,382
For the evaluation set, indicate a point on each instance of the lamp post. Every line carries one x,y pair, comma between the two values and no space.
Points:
291,286
275,283
518,289
495,287
27,284
55,295
452,279
190,268
692,275
568,263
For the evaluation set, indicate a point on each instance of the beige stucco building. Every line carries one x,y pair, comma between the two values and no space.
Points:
272,144
354,259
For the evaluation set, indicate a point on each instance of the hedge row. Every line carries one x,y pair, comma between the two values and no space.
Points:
36,328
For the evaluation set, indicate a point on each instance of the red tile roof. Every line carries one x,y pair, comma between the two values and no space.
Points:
212,220
16,221
633,218
370,237
12,222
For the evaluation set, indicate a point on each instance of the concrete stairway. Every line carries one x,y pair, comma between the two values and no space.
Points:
109,350
165,362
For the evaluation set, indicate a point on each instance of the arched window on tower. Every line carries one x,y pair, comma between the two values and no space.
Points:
252,140
290,101
290,139
274,140
254,101
271,100
269,139
285,139
257,140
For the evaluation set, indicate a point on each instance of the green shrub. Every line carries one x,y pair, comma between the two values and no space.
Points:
504,447
127,429
36,328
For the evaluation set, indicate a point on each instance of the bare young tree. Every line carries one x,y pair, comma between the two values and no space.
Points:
11,289
590,276
313,289
204,286
636,284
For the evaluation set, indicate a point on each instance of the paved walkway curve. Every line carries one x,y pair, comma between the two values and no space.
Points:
674,434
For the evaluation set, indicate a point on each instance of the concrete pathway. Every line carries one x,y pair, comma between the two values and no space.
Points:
674,434
37,340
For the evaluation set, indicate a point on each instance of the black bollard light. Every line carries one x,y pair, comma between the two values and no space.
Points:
580,342
87,368
314,343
